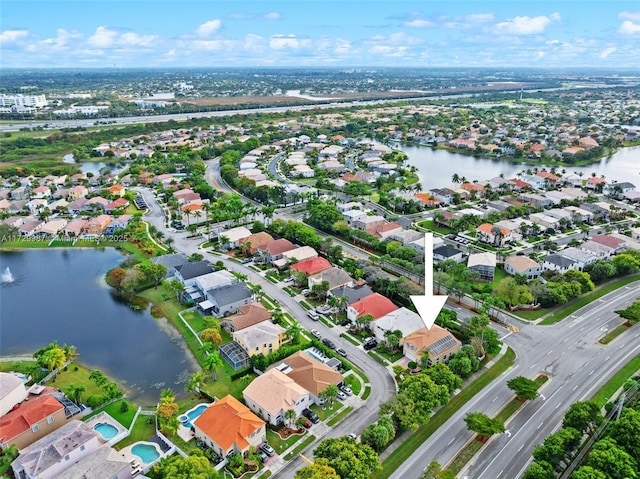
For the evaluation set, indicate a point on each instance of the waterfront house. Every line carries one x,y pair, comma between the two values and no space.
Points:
170,261
12,392
56,452
105,462
273,393
226,299
33,420
262,338
229,427
96,226
247,315
188,272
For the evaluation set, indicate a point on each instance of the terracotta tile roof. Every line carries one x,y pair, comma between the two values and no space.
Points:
29,413
258,240
192,207
310,373
312,266
596,181
521,263
374,304
487,227
425,198
248,315
472,187
278,246
228,422
519,183
609,241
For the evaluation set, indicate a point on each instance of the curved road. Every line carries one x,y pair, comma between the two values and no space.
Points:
382,384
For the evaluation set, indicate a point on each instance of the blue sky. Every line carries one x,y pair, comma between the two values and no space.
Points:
211,33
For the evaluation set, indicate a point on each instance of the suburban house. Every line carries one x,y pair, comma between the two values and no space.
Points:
12,392
494,235
53,454
116,205
273,393
226,299
170,261
559,263
33,420
403,320
384,230
118,223
443,253
188,272
581,257
484,264
246,316
298,255
256,241
334,276
544,220
352,293
368,222
105,462
207,282
274,250
617,244
375,304
96,226
351,216
74,227
537,200
233,236
519,264
262,338
440,343
311,374
229,427
599,250
311,266
445,195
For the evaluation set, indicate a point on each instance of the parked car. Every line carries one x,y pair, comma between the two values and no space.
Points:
345,322
315,333
290,279
263,456
328,343
306,423
369,343
342,396
352,436
267,449
346,389
306,292
341,352
313,315
247,260
310,415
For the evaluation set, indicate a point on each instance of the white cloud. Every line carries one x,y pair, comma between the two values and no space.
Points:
207,28
555,16
480,17
630,15
419,23
526,25
389,50
606,52
12,36
103,38
271,16
629,28
134,40
61,40
280,42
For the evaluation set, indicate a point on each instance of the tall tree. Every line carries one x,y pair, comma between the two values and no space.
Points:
483,425
320,469
351,460
525,389
584,416
211,364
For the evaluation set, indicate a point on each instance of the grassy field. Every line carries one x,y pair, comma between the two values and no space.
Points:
431,226
143,429
610,387
115,411
407,448
76,374
340,416
279,444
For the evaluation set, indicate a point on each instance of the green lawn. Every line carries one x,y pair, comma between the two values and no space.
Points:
76,374
113,410
279,444
143,430
610,387
498,275
300,447
340,416
431,226
407,448
325,413
354,383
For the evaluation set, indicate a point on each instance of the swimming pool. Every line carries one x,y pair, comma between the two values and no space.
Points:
192,414
107,431
316,356
146,452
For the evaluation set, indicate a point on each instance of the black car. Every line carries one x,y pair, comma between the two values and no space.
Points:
345,322
311,416
369,343
328,343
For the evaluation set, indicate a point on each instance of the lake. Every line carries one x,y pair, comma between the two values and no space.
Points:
436,167
95,166
60,295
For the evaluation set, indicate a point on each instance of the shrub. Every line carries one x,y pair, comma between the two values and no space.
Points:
95,400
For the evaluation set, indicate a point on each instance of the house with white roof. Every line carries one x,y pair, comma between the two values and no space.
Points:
402,319
234,235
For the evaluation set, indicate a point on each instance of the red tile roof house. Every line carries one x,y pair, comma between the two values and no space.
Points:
119,204
256,241
229,427
274,250
74,227
595,182
385,230
518,185
486,234
375,304
33,420
312,266
96,226
606,240
116,190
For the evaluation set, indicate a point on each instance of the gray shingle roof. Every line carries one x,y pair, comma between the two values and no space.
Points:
194,269
230,294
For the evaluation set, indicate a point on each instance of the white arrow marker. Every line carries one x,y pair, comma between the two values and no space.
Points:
508,433
428,306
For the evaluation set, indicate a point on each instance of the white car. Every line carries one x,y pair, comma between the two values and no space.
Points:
315,333
342,396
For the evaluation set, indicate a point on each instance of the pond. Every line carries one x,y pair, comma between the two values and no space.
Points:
60,295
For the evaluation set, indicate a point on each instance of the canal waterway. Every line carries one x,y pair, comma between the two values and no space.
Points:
436,167
60,295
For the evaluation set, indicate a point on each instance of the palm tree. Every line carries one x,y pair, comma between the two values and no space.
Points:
195,381
332,392
167,396
75,392
54,358
290,416
455,178
424,358
212,363
170,426
293,331
70,352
